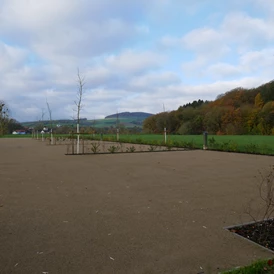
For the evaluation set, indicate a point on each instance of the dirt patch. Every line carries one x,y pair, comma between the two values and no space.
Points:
261,233
123,213
104,147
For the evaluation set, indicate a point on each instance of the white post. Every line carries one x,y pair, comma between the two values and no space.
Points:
78,140
205,140
37,136
165,134
42,136
117,134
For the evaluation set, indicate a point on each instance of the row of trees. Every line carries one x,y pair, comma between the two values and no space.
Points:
239,111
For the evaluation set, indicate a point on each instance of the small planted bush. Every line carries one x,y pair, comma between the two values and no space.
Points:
187,144
228,146
212,142
131,149
113,149
152,148
251,148
169,145
95,147
176,144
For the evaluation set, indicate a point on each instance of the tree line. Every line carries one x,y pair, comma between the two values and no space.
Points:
237,112
7,124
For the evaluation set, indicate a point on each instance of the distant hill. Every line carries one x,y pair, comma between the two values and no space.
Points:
140,115
126,119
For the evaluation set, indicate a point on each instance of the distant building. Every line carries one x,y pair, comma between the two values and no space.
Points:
19,131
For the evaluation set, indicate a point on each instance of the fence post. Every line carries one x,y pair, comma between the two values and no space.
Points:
165,134
83,146
205,140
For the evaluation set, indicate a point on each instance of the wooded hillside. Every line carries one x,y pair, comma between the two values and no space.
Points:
239,111
140,115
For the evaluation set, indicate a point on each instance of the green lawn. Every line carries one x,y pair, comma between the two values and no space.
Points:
259,267
236,143
256,144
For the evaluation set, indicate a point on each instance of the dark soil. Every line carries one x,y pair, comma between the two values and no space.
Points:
261,233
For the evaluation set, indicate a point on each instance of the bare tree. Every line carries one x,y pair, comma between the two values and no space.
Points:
117,126
4,117
264,207
50,118
43,115
79,105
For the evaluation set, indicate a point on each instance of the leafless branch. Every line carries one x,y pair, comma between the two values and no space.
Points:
49,111
43,114
78,101
266,195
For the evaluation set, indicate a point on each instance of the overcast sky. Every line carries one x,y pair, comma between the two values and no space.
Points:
135,55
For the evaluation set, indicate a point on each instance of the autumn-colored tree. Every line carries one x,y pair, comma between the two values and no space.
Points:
239,111
213,120
267,91
266,119
259,103
149,124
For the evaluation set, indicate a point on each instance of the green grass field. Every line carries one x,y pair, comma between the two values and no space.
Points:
256,144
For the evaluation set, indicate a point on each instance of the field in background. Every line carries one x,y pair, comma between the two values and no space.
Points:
98,123
257,144
236,143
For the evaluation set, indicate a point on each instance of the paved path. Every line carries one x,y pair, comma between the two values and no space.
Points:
127,213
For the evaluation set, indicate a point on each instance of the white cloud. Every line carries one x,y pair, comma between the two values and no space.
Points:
130,62
257,60
223,70
169,41
134,55
160,79
11,57
249,62
246,32
206,41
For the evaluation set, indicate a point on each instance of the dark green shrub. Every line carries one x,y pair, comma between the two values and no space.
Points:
251,148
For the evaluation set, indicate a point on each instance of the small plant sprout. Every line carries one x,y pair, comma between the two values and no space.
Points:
152,148
131,149
113,149
95,147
